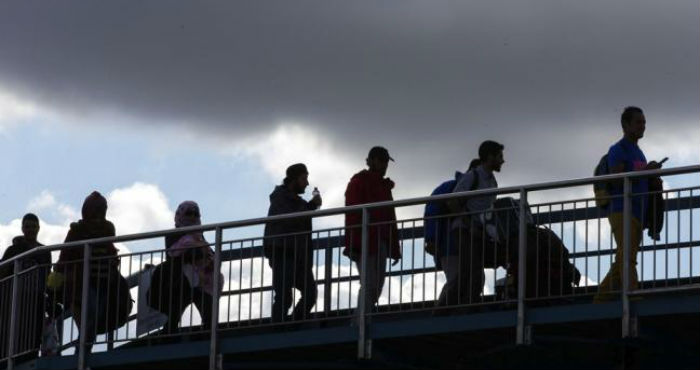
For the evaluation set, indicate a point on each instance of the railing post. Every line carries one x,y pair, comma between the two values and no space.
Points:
521,332
214,363
327,277
626,250
13,318
364,350
82,344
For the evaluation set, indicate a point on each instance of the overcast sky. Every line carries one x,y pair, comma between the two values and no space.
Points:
173,100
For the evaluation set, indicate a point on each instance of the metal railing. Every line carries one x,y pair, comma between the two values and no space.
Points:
246,299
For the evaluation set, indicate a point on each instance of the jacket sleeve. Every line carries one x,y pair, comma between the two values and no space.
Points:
70,254
395,242
7,270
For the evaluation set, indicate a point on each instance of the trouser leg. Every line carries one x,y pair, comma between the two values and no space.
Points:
204,302
305,283
450,291
613,279
282,283
376,274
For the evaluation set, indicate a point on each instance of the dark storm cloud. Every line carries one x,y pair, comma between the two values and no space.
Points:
440,75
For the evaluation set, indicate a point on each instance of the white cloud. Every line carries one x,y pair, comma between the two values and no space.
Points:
133,209
15,110
329,168
139,208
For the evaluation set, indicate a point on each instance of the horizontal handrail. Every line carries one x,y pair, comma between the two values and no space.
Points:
359,207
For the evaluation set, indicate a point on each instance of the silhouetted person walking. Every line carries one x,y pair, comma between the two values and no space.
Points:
464,262
288,247
626,156
31,295
370,186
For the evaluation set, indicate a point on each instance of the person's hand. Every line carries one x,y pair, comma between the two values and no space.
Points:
653,165
430,248
317,201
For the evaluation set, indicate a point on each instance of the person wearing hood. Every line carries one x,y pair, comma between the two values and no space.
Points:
370,186
31,295
291,256
186,276
105,279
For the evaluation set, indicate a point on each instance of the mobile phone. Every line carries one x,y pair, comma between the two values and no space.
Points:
663,160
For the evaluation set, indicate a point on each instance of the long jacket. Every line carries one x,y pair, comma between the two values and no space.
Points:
103,256
277,243
369,187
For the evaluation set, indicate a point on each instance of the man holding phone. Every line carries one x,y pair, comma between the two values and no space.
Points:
626,156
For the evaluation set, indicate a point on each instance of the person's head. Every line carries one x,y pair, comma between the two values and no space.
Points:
378,160
30,227
94,207
187,214
633,122
491,155
297,178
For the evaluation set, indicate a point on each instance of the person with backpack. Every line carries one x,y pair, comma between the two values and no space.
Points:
464,266
370,186
437,228
32,285
291,255
625,156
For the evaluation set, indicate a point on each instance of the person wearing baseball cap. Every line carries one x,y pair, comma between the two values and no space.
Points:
370,186
291,256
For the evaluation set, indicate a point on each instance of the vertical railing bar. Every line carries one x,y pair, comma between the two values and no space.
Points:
214,338
240,285
14,312
82,349
654,243
690,237
678,237
575,236
627,234
667,214
262,279
327,275
230,288
585,260
522,250
598,249
561,251
413,258
363,337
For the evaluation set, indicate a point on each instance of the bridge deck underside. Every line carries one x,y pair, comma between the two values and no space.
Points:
572,333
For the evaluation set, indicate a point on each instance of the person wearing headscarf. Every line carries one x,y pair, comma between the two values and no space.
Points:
187,274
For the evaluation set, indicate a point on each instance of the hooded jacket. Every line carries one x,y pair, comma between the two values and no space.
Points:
370,187
283,201
93,225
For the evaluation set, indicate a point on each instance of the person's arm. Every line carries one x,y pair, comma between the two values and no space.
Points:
465,183
7,270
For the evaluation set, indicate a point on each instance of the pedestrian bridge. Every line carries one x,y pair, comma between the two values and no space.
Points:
653,325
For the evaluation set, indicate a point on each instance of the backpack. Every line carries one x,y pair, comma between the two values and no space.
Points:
503,221
435,209
549,271
602,189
